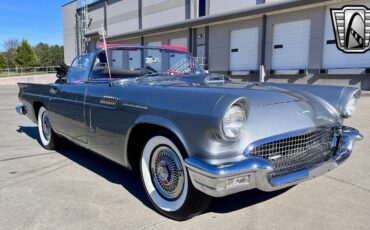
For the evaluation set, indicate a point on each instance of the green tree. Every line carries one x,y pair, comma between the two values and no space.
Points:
9,46
24,55
56,55
3,61
49,55
42,53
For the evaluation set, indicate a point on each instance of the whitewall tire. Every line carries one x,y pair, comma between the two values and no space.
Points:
46,133
166,181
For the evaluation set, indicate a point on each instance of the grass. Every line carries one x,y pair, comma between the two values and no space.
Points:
13,74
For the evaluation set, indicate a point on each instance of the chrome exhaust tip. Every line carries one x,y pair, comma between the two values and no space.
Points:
21,109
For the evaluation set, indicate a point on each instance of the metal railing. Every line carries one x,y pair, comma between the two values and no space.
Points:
202,61
27,71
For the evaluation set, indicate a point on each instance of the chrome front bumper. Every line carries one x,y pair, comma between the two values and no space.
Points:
222,180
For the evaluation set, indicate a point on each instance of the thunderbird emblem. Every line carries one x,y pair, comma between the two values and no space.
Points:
352,28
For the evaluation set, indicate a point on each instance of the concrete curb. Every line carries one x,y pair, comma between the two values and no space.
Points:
40,79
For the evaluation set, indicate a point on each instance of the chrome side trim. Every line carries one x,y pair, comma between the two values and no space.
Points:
136,106
108,100
215,79
218,180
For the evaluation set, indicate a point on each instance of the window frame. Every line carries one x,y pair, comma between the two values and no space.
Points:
87,71
196,66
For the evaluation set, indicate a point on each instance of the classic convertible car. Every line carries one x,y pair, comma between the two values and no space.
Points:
190,134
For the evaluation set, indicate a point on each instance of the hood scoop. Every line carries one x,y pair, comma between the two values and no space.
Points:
215,79
210,79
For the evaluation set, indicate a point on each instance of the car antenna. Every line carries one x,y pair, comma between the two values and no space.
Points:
106,50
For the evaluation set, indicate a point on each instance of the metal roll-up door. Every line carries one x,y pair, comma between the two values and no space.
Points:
291,44
244,49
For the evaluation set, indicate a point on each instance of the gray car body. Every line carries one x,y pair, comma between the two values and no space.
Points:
101,117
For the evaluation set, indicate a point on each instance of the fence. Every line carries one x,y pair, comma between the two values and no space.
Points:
10,72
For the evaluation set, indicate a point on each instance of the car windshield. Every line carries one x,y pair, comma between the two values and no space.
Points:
79,69
138,62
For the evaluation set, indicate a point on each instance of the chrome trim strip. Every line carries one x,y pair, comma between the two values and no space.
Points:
136,106
108,100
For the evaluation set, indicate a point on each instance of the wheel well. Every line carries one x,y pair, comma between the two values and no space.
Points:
36,106
140,134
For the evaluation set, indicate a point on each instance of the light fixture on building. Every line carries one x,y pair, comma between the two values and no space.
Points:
200,36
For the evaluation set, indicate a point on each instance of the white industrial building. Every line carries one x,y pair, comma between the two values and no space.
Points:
293,41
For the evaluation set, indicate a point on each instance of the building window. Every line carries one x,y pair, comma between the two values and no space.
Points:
202,8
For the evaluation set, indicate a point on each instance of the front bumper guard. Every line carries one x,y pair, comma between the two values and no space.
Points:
223,180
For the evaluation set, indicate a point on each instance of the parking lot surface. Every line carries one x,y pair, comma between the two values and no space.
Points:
74,189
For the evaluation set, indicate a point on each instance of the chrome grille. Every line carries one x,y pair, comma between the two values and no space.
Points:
296,153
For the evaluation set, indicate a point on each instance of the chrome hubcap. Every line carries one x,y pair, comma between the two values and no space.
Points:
46,128
167,173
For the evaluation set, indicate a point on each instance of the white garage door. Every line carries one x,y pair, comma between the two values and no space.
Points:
117,59
334,58
291,44
244,49
134,60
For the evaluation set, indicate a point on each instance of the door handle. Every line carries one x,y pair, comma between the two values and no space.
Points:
53,91
278,46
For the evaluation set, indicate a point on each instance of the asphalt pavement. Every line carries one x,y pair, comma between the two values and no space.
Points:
74,189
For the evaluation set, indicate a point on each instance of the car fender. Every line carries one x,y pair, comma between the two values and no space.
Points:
154,120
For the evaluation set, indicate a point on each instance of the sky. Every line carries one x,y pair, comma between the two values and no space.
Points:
34,20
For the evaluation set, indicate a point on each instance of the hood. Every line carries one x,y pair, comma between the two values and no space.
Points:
257,94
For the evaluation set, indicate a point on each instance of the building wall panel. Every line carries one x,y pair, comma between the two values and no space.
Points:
221,6
69,32
96,13
166,38
122,16
162,12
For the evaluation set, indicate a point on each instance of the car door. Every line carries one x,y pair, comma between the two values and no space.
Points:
105,115
107,120
67,109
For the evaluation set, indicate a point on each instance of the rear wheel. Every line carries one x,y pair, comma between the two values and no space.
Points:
166,180
47,135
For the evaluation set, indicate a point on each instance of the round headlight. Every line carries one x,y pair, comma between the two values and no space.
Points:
350,107
234,121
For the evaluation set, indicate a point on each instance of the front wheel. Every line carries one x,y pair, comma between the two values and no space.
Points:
47,135
166,180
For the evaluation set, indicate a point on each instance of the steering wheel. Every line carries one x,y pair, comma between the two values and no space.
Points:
151,69
146,70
